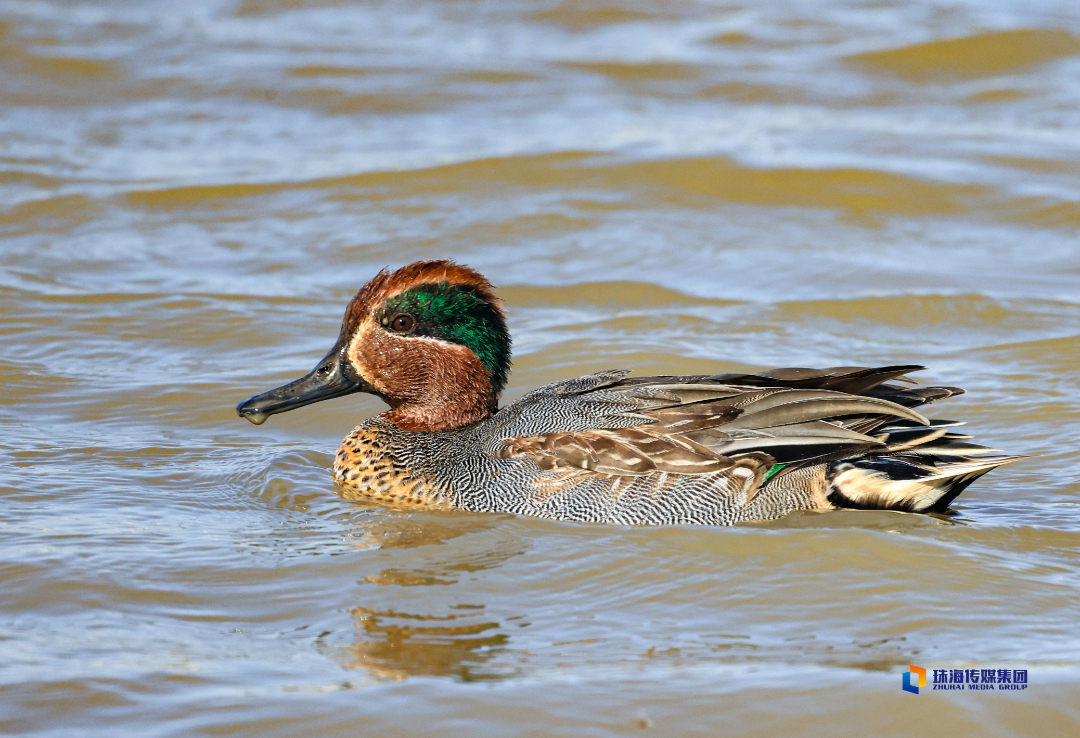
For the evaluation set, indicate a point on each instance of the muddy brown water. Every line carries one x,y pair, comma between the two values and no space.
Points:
192,191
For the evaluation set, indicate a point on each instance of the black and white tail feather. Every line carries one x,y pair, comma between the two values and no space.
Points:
926,481
922,468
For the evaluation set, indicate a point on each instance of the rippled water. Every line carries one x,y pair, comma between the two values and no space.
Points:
192,191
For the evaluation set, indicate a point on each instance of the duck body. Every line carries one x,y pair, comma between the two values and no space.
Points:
607,447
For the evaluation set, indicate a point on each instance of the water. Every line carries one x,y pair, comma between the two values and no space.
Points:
192,191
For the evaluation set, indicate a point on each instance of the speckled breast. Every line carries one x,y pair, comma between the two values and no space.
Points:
365,468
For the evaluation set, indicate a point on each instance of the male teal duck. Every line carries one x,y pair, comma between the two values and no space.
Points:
431,340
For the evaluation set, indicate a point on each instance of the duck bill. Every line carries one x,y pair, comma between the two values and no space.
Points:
333,377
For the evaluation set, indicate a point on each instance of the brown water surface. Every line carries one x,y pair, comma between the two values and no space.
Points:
192,191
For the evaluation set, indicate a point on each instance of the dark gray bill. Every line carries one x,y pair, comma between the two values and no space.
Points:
333,377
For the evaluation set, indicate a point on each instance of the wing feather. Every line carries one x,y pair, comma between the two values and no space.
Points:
686,444
694,426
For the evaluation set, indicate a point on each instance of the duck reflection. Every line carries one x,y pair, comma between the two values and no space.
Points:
395,645
458,641
389,528
446,572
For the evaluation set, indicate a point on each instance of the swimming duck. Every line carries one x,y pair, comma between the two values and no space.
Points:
431,340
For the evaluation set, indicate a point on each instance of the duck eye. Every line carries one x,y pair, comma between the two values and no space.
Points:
402,323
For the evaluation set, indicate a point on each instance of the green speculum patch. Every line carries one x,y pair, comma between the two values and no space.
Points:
459,315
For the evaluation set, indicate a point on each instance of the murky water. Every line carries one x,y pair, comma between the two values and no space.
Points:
192,191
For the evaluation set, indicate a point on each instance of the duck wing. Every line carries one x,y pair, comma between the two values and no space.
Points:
698,449
610,424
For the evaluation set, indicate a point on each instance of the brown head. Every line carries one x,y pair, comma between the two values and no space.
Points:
430,339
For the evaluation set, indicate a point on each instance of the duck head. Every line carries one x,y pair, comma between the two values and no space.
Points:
430,339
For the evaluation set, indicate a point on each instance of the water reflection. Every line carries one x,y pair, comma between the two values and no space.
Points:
445,572
455,640
389,528
397,645
884,520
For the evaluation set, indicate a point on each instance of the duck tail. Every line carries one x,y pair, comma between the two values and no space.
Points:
909,483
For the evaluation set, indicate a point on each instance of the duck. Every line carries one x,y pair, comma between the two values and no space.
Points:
431,340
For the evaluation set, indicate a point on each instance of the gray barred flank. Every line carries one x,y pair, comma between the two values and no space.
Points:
672,450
